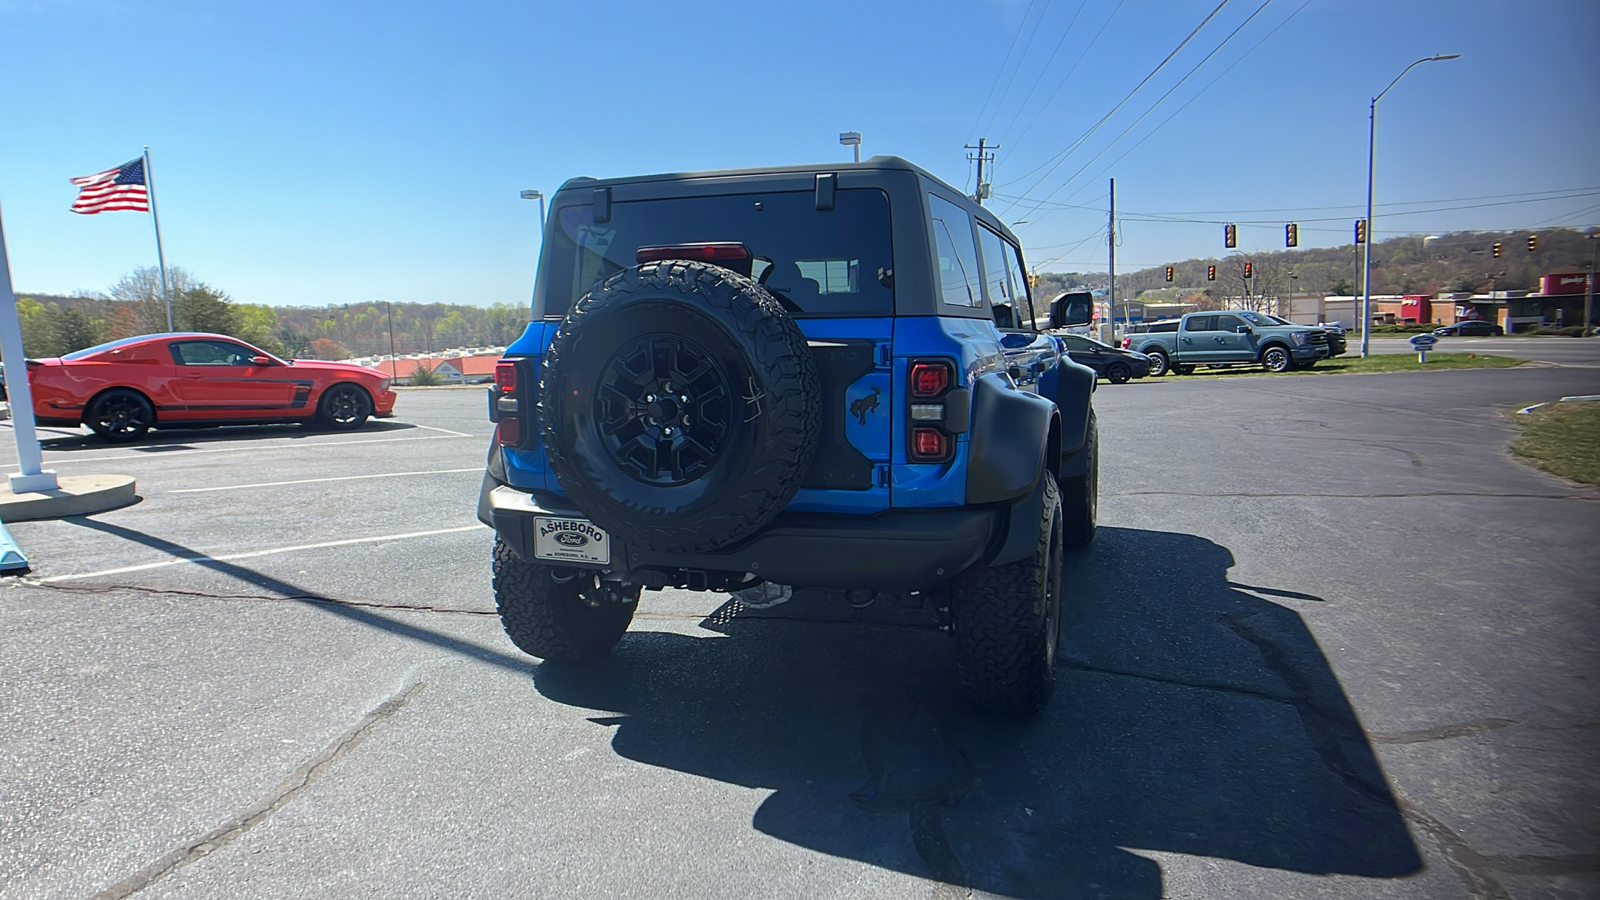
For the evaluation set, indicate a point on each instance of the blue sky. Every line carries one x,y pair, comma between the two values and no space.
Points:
311,153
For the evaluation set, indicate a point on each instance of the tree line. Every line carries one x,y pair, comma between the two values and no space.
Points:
55,325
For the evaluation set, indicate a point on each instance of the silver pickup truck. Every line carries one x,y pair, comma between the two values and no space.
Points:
1231,338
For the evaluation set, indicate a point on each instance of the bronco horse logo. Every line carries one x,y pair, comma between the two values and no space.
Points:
864,404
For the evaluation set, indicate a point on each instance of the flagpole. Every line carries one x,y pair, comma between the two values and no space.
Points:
161,259
30,458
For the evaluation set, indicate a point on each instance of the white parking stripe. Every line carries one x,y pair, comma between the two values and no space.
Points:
445,430
255,553
240,487
235,448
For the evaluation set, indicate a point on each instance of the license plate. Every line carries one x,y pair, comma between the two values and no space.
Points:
570,540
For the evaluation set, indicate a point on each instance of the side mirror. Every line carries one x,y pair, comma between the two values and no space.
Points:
261,360
1016,373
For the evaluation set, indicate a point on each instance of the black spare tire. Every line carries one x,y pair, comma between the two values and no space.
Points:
679,406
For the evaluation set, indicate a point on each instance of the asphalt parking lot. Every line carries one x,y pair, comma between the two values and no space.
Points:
1332,641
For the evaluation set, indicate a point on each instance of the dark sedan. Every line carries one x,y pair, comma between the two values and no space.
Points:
1470,328
1111,363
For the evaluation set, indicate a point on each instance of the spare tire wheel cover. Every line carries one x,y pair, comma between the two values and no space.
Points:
679,406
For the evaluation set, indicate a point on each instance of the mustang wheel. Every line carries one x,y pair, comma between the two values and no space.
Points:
120,415
679,405
344,406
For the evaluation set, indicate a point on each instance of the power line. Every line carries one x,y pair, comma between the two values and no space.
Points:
1044,69
1120,103
1062,84
1232,216
1020,60
1001,71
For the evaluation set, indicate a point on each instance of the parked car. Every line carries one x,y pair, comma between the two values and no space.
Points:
1163,326
744,376
1232,338
1114,364
122,389
1470,328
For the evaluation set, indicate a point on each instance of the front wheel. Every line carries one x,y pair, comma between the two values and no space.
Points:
559,614
1277,359
1119,373
1159,364
1006,620
344,406
120,415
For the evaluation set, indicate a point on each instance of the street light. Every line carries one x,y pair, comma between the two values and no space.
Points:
539,196
1588,299
1292,278
852,139
1366,255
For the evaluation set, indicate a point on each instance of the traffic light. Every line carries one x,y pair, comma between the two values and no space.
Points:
1169,273
1211,273
1361,231
1249,270
1533,243
1496,249
1230,236
1291,235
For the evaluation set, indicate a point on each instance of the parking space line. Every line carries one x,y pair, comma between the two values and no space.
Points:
235,448
445,430
226,557
239,487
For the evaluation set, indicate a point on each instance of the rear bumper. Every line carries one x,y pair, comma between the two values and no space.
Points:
898,550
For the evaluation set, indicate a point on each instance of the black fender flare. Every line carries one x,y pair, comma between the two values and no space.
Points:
1011,432
1070,385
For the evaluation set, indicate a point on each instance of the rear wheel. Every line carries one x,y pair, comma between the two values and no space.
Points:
1118,373
1006,620
344,406
1159,364
1184,370
559,614
120,415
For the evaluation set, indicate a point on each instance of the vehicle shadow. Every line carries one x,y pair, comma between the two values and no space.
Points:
1190,717
180,438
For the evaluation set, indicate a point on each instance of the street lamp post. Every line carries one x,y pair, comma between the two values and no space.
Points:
852,139
1588,297
1292,278
539,196
1372,143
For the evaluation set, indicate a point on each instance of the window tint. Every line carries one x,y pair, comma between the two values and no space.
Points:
1019,281
816,262
1077,344
1228,323
210,353
997,286
1200,323
958,257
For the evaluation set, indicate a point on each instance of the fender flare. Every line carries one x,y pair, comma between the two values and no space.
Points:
1011,432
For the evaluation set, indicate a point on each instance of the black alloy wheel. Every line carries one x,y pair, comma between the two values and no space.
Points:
344,406
1118,373
664,409
120,415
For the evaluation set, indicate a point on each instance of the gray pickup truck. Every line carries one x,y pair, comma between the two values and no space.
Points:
1231,338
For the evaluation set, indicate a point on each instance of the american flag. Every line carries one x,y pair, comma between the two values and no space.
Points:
113,189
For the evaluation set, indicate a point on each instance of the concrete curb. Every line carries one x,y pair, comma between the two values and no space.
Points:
77,495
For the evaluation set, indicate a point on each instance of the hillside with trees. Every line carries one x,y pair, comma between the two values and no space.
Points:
1461,261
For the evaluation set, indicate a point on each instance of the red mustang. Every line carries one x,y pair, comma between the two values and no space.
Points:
124,388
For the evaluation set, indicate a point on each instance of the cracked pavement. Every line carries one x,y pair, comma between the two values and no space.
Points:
1332,641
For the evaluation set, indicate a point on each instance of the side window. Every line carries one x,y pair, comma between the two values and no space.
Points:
1076,344
958,257
1200,323
1019,282
997,286
1229,324
209,353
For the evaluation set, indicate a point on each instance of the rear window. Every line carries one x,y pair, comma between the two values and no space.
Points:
816,262
101,348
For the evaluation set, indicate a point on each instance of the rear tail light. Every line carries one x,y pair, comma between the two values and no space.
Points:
507,408
505,377
930,439
929,379
715,251
929,444
510,431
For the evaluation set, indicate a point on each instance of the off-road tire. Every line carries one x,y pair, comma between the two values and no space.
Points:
552,620
120,415
1118,373
1277,358
344,406
754,422
1159,364
1006,619
1080,494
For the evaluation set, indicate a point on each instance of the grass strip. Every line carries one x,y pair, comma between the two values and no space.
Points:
1562,439
1352,364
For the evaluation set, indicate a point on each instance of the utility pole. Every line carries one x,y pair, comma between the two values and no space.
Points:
983,148
1588,297
1111,247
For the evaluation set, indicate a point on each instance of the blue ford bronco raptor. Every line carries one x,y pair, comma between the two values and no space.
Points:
815,376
